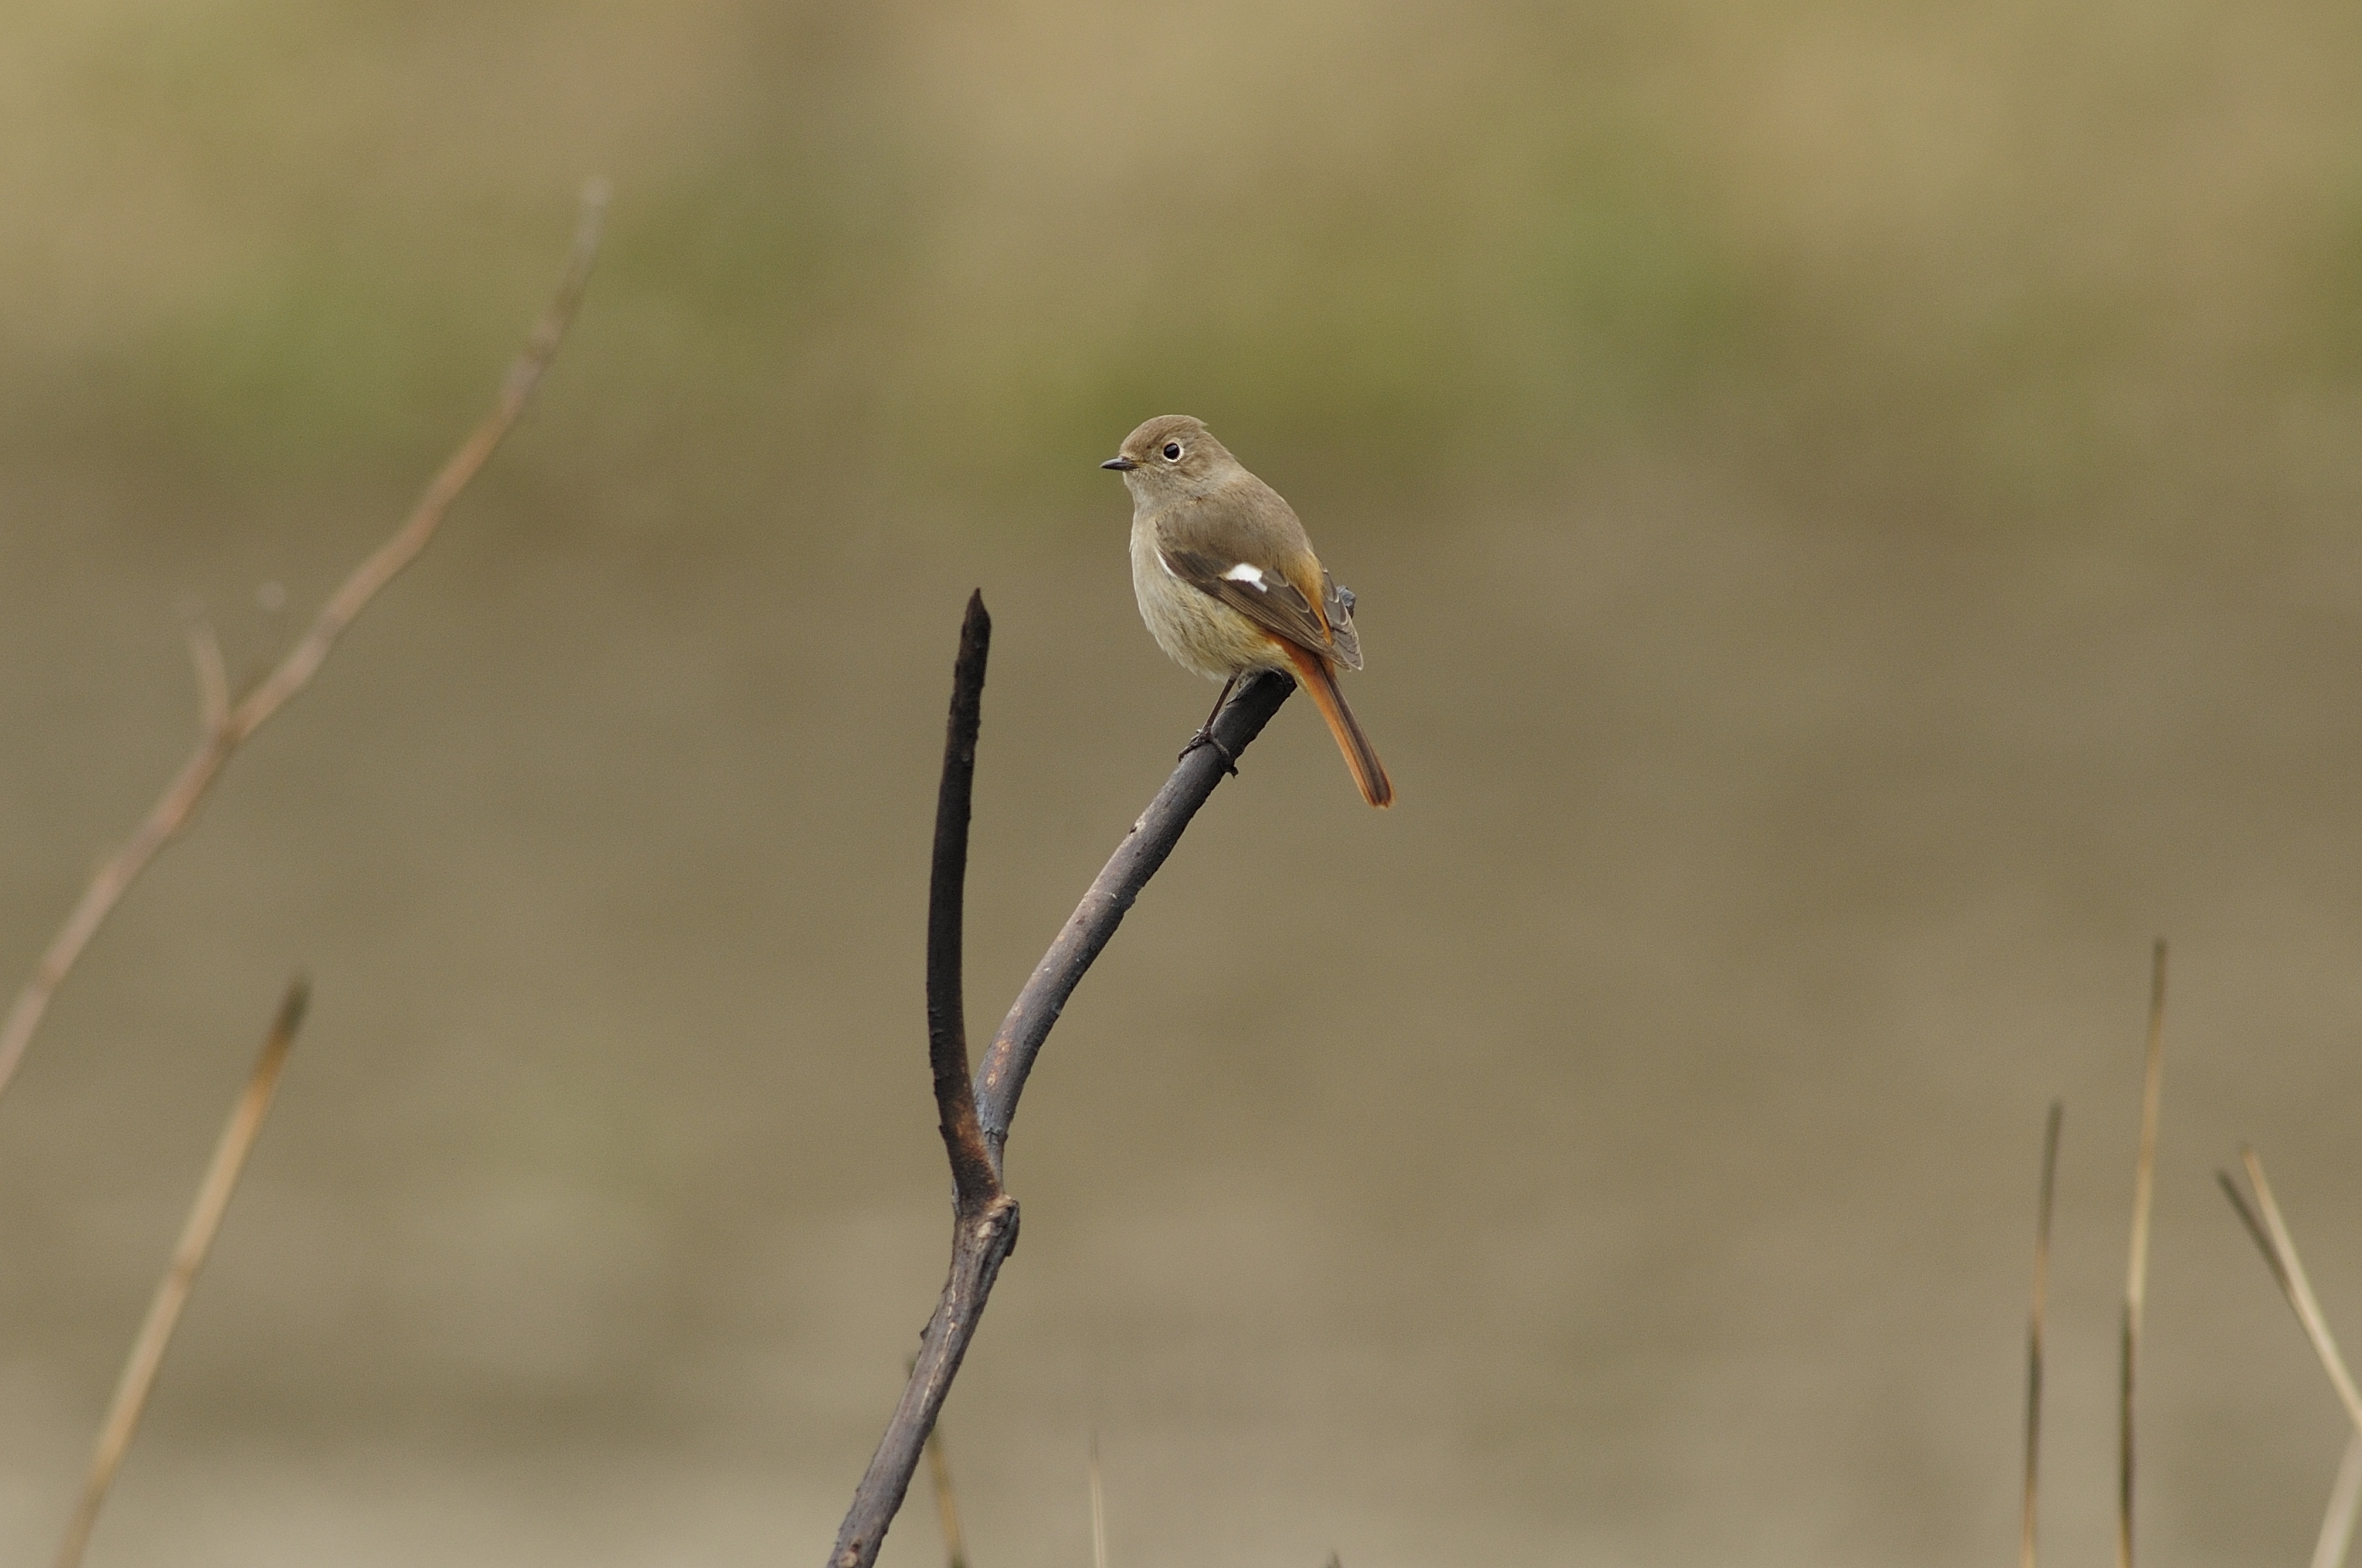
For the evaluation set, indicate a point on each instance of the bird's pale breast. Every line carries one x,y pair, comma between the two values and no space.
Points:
1196,629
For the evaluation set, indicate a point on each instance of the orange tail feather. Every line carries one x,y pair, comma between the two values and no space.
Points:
1313,673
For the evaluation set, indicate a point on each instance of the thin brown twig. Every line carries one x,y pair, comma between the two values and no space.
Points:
2025,1550
2137,1269
213,674
228,727
204,1220
939,1471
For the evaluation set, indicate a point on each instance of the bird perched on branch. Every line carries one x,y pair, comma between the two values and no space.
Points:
1229,584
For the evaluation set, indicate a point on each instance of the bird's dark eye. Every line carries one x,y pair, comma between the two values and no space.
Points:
1171,451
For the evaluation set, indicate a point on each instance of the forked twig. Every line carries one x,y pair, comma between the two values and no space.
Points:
228,727
2025,1552
173,1293
983,1217
2137,1269
975,1114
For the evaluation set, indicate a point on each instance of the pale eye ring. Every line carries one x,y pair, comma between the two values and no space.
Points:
1171,451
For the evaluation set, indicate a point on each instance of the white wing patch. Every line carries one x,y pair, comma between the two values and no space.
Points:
1169,566
1250,575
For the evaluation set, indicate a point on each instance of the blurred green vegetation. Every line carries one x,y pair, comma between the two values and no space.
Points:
1991,266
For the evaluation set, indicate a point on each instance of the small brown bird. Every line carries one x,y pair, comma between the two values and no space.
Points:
1229,584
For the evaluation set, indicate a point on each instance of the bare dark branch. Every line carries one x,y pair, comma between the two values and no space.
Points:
1001,1079
978,1249
226,727
974,1178
975,1116
984,1222
203,1223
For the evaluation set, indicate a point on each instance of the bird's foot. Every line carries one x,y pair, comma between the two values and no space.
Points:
1205,737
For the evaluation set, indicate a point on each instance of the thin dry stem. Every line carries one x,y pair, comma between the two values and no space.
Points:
2288,1268
228,727
2338,1520
2273,1239
2137,1268
213,674
1098,1508
2025,1550
938,1471
172,1294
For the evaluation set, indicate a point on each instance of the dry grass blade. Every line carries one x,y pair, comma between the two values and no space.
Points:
227,725
938,1471
2271,1234
2034,1330
2137,1268
2273,1239
2338,1520
1099,1509
172,1294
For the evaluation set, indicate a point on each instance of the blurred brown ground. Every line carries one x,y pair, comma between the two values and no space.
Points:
1854,511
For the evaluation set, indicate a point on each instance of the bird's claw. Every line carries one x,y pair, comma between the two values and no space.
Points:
1205,737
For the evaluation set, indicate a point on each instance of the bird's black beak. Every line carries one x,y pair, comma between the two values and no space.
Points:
1121,465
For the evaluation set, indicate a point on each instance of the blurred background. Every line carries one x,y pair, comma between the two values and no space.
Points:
1853,509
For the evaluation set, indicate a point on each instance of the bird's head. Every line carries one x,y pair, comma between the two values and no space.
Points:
1172,454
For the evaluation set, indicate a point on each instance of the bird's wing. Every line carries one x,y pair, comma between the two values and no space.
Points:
1280,587
1263,594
